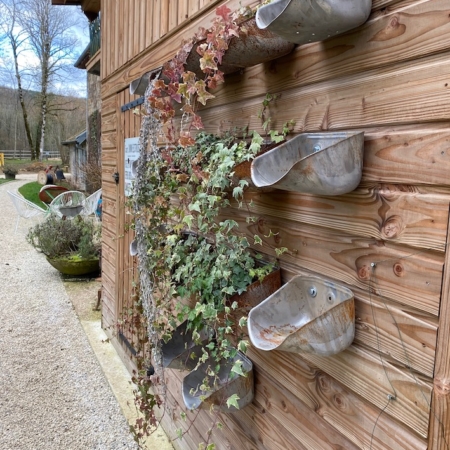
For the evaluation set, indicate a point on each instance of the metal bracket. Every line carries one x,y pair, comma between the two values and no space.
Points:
132,104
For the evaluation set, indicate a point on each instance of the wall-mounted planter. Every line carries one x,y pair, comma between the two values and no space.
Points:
227,384
139,85
254,47
314,163
304,21
308,314
257,291
133,248
178,352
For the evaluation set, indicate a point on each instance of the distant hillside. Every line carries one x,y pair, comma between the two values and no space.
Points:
67,117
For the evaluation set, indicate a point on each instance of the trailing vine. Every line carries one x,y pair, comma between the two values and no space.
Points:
192,262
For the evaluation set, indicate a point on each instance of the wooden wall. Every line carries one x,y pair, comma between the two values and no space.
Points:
387,240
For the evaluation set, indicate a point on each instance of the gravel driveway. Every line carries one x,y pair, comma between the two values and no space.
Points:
53,393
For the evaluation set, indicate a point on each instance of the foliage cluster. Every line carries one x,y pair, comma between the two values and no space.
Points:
179,85
193,260
9,170
61,238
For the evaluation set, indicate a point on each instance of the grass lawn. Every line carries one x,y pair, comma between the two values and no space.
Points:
4,180
31,192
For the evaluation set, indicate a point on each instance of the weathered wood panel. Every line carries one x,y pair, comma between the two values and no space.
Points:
411,92
156,55
348,259
439,436
355,418
399,36
401,336
136,25
363,373
390,79
393,213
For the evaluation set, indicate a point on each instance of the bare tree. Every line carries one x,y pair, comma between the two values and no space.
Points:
45,33
17,39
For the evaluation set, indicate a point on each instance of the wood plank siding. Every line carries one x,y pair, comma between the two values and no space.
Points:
387,240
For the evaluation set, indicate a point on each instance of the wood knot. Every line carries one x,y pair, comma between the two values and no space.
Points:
392,227
277,238
399,271
340,402
393,29
364,273
324,383
442,387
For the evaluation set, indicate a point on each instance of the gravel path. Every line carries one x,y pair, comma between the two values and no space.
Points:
53,394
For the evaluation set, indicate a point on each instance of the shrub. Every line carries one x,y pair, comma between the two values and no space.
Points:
59,238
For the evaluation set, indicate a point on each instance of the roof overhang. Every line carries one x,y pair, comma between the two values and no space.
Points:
91,8
79,139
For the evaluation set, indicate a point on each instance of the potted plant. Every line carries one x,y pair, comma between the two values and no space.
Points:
10,172
71,246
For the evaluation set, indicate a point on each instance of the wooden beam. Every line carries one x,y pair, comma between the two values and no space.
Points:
439,434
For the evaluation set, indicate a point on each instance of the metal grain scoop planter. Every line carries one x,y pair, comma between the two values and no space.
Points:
252,47
304,21
181,352
314,163
307,314
224,386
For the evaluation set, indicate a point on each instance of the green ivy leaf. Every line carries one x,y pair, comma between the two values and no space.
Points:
237,368
257,240
233,401
188,220
243,322
243,346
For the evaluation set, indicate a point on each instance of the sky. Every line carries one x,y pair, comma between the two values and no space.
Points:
75,81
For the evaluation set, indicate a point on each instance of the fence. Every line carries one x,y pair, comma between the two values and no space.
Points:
26,154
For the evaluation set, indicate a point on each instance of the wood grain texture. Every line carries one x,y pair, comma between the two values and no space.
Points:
439,437
156,55
395,213
348,259
374,379
156,20
403,337
411,92
410,33
354,417
408,155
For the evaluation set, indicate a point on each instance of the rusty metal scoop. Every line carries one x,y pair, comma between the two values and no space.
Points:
314,163
308,314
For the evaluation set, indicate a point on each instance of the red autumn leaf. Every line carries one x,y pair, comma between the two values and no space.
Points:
208,61
202,93
186,140
197,122
224,12
214,81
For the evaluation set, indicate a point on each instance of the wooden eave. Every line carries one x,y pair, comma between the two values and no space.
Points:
90,6
93,65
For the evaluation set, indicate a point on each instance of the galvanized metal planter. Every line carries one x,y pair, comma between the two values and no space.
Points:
315,163
226,384
304,21
308,314
254,47
181,352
